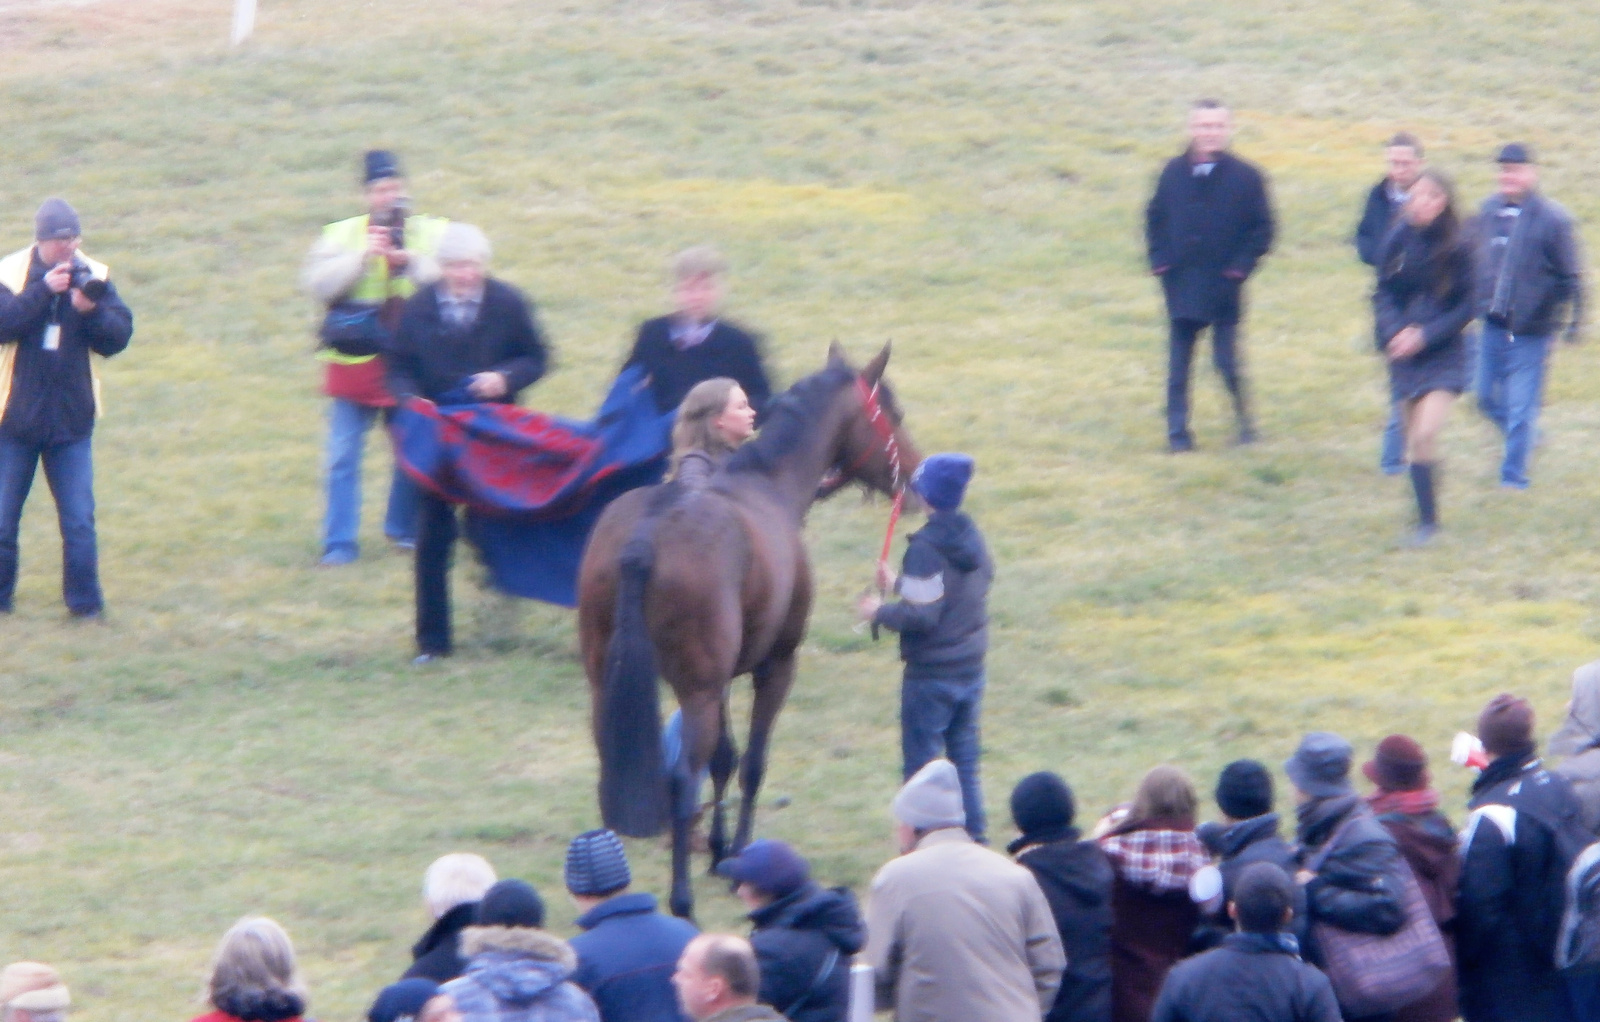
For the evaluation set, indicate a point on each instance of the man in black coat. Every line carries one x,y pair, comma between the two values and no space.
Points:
1206,227
695,343
1076,878
1257,972
1403,164
803,934
1522,836
467,338
58,308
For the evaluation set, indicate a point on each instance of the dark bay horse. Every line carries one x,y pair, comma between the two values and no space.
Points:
699,586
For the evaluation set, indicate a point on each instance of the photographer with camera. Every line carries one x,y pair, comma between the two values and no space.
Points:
361,271
57,306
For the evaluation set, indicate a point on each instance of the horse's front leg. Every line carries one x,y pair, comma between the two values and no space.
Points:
771,680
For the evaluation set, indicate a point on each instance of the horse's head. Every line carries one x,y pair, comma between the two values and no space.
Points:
874,448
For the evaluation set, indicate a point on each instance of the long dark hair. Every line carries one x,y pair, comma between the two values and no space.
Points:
1444,237
1446,227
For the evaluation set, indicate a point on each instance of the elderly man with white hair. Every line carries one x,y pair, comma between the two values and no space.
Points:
468,338
451,890
32,992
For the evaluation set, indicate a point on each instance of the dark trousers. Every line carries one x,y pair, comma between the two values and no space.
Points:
1180,355
436,540
939,717
69,469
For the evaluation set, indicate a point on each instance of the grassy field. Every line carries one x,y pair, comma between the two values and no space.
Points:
245,734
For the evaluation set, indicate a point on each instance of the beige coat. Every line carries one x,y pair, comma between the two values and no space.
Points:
958,933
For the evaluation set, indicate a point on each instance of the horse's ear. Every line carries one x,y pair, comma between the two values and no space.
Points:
836,353
874,369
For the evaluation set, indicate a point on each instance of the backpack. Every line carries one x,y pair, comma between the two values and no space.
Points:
1578,947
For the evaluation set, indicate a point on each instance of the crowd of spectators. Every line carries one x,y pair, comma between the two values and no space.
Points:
1368,905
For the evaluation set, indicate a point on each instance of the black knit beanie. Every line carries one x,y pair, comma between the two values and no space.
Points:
511,903
1244,790
1042,805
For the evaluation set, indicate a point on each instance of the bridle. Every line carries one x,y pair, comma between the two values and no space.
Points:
883,428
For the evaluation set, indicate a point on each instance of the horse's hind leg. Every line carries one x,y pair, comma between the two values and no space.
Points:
771,680
723,761
700,735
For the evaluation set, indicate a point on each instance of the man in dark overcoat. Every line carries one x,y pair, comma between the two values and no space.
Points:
1207,226
467,338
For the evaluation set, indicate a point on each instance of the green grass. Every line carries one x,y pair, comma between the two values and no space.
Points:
966,179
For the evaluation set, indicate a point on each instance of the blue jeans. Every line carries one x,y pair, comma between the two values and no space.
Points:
1392,456
69,469
348,423
939,717
1510,388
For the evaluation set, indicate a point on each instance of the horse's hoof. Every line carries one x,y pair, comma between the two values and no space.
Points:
683,908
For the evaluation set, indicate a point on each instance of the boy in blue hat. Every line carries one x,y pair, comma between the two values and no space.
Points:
942,616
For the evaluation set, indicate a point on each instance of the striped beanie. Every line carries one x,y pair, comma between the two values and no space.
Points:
596,864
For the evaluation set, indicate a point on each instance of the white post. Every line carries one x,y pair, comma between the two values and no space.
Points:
244,20
863,995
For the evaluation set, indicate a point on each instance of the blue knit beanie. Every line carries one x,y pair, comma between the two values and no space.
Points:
942,479
402,1000
596,864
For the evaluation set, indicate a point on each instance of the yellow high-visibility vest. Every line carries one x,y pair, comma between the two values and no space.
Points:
376,285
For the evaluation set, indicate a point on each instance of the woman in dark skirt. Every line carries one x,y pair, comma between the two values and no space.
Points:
1422,306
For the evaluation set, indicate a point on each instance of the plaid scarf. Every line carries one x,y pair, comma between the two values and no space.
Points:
1159,861
1408,803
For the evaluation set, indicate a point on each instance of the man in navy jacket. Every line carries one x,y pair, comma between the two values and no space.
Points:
627,950
1207,226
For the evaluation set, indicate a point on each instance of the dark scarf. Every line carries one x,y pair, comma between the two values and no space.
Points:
1408,803
1319,817
1043,836
260,1005
1502,770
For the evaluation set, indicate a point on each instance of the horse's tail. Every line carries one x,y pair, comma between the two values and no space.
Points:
633,776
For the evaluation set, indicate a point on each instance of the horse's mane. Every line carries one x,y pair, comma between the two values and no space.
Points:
790,417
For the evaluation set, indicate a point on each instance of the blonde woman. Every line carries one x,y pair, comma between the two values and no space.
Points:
714,419
253,975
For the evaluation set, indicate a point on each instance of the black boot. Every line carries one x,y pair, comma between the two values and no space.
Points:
1427,505
1241,417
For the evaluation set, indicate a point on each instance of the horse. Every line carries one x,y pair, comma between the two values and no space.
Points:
703,585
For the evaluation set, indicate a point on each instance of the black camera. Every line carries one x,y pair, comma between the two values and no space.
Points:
396,222
84,280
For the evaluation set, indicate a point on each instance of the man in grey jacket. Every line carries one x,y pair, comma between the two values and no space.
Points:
1530,289
956,932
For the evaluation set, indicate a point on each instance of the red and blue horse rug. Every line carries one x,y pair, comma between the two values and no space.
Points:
534,484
